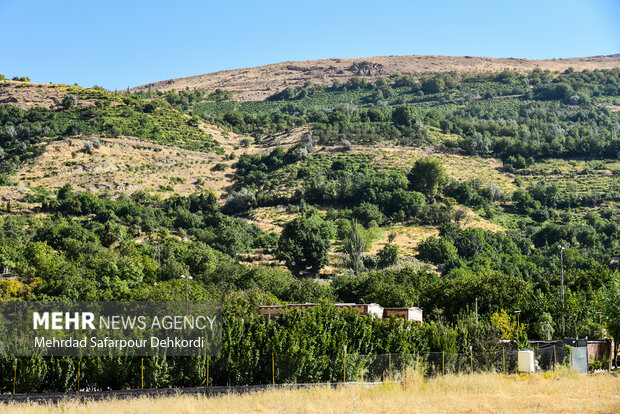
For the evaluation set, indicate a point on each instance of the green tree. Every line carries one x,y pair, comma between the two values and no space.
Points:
353,247
504,323
388,255
544,326
367,212
479,333
427,175
304,244
437,250
403,116
432,85
612,312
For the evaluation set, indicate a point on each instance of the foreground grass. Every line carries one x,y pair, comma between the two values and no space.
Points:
487,393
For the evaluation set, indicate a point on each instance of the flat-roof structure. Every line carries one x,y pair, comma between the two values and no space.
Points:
412,314
409,314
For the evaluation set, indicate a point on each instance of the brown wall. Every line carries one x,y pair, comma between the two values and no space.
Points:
599,350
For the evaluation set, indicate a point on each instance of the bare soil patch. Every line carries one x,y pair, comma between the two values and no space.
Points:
27,95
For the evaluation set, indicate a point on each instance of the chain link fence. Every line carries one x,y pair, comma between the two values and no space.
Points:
370,368
72,374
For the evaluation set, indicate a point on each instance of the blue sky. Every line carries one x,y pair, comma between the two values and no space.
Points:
117,44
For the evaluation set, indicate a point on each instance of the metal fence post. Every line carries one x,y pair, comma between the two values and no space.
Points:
14,374
443,362
555,358
471,360
504,359
78,382
344,365
142,374
208,358
273,369
390,364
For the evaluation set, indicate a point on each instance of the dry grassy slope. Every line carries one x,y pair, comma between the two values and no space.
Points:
28,95
260,82
127,164
123,164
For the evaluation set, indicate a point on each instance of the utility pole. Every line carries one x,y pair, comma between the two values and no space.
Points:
562,288
186,293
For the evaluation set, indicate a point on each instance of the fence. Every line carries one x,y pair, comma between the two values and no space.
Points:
94,374
395,366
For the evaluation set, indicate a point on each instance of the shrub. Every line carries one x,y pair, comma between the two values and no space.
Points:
437,250
220,166
366,213
10,132
88,147
69,101
346,145
387,256
239,201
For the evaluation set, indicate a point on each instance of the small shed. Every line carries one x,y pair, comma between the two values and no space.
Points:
270,312
364,309
599,350
413,314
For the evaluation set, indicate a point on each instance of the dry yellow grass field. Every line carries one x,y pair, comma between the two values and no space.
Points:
479,393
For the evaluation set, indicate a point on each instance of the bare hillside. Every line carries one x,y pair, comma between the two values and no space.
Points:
28,95
124,164
260,82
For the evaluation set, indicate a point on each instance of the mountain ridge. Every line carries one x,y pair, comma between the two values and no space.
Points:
259,82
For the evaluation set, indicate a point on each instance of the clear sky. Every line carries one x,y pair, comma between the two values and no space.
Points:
117,44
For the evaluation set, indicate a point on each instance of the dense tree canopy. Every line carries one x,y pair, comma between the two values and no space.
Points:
304,244
427,175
